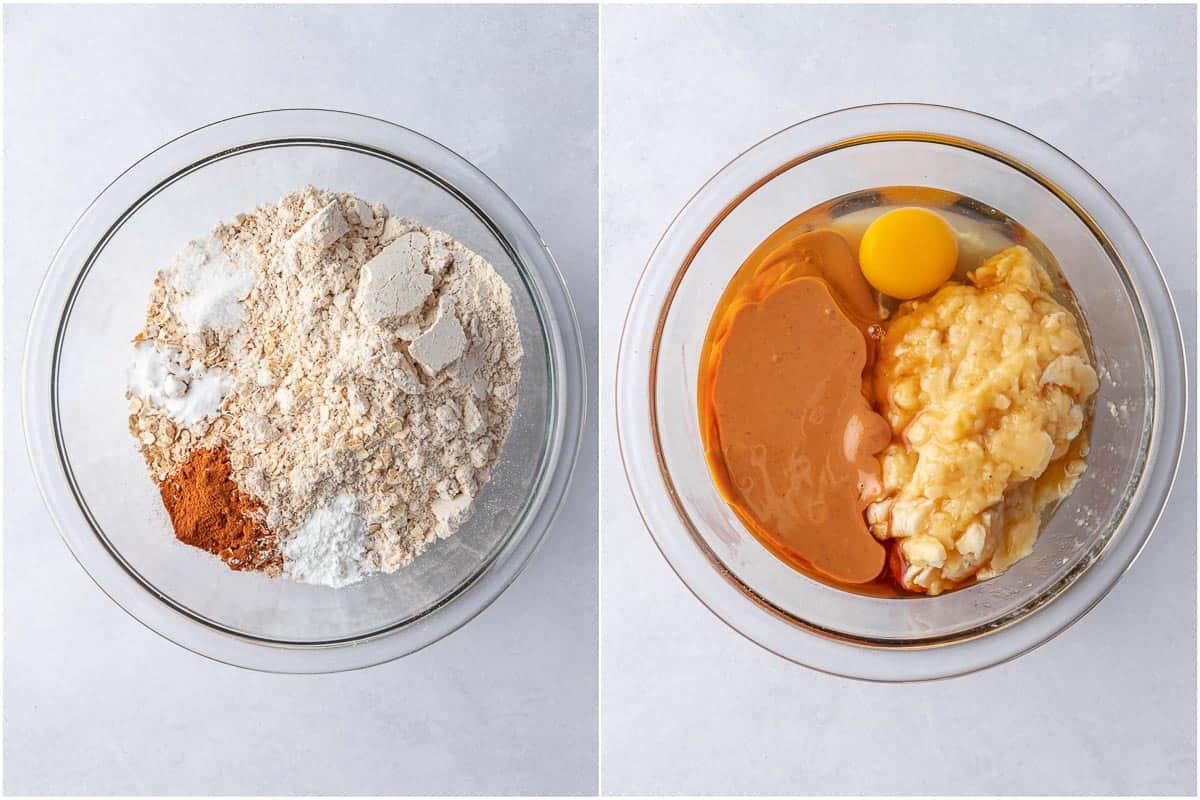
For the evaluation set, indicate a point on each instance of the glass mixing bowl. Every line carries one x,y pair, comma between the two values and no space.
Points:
1136,436
97,488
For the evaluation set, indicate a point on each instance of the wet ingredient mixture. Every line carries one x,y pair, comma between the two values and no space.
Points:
888,446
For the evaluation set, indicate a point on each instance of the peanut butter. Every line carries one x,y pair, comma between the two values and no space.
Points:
790,437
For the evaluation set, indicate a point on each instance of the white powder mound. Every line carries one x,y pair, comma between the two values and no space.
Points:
172,380
330,547
212,287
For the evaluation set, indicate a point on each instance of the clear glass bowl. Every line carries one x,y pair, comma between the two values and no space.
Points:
96,486
1136,438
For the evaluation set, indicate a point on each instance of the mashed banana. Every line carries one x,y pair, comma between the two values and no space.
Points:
985,386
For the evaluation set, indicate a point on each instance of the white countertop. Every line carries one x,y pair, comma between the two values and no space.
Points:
96,704
689,706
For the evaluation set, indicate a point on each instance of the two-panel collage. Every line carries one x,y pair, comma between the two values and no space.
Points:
590,400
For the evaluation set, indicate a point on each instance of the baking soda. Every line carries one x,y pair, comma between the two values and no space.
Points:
170,379
330,547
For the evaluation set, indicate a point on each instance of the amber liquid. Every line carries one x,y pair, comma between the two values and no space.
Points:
982,232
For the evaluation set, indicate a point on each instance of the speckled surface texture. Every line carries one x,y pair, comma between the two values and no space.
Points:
689,706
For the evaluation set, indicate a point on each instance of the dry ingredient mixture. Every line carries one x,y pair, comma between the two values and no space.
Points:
321,389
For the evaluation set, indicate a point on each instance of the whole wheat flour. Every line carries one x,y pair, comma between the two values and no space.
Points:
367,370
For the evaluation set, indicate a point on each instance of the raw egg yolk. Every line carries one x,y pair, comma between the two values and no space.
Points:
908,252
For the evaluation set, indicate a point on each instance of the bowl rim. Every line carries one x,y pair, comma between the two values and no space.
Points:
406,148
658,502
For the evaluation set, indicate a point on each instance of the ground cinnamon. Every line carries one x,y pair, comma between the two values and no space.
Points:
209,511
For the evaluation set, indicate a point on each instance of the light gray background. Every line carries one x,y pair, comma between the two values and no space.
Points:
689,706
95,703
